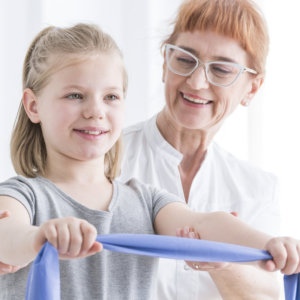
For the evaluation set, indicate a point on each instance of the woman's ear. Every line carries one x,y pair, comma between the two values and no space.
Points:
30,105
164,67
255,85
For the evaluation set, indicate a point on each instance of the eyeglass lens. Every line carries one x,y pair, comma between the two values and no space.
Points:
184,64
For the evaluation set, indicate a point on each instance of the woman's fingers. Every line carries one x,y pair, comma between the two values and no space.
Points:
188,232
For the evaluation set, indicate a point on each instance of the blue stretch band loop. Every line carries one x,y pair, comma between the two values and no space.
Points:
43,278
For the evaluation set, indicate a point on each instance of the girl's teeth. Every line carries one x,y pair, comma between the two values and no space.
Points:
91,132
195,100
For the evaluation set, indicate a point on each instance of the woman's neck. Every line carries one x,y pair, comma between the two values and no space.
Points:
189,142
192,144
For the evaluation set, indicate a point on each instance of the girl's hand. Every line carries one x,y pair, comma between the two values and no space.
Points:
4,268
72,237
187,232
286,255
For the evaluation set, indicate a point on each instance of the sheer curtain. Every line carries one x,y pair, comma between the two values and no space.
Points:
266,133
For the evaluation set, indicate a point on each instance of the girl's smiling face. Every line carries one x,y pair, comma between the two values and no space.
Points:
81,108
194,103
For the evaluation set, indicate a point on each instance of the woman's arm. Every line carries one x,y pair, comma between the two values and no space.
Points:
20,241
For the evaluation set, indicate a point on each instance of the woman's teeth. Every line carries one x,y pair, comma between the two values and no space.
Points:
195,100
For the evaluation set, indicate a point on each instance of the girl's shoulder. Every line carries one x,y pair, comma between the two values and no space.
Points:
20,181
147,193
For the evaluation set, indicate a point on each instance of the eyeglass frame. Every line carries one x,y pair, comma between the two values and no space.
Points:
206,64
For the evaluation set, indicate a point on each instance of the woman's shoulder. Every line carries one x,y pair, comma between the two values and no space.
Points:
140,129
239,168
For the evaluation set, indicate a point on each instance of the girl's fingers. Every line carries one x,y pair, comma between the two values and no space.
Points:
298,251
76,239
269,265
279,253
292,260
96,247
51,234
89,234
63,237
72,237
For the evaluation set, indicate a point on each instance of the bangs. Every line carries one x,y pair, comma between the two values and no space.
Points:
236,19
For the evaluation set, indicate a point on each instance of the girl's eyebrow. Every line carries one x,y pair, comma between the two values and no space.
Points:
80,87
213,58
73,86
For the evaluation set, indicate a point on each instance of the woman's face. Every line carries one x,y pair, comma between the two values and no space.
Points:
183,94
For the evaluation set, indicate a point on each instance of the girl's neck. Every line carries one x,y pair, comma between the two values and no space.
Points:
64,170
83,181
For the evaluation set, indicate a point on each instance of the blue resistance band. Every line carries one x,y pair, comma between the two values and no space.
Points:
44,280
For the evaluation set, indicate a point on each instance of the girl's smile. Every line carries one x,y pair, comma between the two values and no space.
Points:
91,133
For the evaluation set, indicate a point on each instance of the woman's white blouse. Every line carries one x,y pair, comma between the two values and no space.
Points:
223,183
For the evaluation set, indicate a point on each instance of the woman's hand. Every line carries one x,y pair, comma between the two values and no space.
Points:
4,268
72,237
188,232
286,255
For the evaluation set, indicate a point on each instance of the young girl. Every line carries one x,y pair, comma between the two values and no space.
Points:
66,149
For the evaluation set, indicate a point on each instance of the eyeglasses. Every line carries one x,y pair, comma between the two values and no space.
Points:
219,73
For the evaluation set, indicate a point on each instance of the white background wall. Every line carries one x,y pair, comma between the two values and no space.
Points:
266,133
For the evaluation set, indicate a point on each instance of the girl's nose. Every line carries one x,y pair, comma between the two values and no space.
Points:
94,109
197,80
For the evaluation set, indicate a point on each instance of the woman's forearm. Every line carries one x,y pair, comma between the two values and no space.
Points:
246,282
17,242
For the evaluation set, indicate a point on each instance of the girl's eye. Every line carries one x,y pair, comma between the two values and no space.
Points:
111,97
74,96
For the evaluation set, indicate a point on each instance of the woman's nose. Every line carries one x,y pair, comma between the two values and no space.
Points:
94,109
197,80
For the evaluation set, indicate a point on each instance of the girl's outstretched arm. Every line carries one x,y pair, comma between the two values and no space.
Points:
21,242
223,227
4,268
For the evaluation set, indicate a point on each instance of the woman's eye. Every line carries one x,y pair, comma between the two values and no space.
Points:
111,97
74,96
186,60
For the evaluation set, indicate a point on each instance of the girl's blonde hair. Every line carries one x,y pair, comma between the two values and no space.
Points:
237,19
28,149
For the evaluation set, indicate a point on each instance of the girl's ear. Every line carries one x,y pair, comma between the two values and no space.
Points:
255,86
30,105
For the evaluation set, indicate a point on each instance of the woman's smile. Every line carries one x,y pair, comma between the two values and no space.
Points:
193,99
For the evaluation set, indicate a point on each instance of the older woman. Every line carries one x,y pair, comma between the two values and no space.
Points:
213,61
